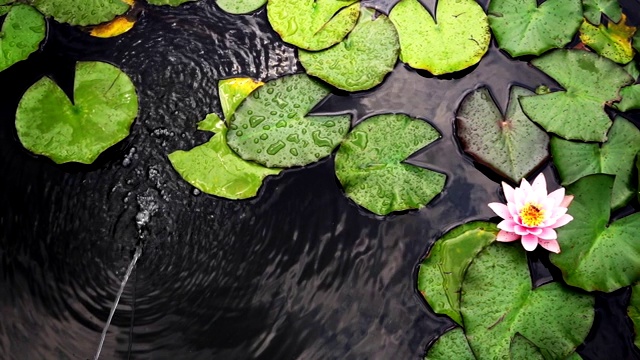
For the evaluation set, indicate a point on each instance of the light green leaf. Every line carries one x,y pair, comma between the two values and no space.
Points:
575,160
104,107
590,82
612,41
272,128
4,9
596,256
630,98
233,91
441,273
22,31
511,145
451,345
458,40
313,24
370,167
170,2
634,312
521,27
240,6
81,12
362,60
523,349
498,303
593,9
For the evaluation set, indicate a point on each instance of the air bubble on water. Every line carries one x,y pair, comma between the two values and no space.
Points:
196,192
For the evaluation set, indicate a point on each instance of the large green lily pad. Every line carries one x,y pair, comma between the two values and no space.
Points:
575,160
441,273
313,24
171,2
370,169
362,60
451,345
594,8
240,6
82,12
590,81
612,41
634,312
104,107
458,40
630,98
272,128
22,32
521,27
511,145
597,256
498,302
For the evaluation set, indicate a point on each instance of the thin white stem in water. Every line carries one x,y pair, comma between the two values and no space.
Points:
115,303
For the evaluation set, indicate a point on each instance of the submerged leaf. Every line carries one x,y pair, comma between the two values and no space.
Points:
370,167
594,8
104,106
451,345
612,41
22,31
82,12
458,40
240,6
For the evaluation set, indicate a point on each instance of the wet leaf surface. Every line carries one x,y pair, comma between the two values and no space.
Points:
630,98
523,349
451,345
593,10
85,12
233,91
169,2
22,32
612,41
240,6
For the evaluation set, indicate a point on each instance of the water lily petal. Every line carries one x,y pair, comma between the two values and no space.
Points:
508,192
557,196
566,201
525,186
501,210
535,231
512,209
520,230
519,197
507,225
547,234
529,242
505,236
562,221
551,245
540,184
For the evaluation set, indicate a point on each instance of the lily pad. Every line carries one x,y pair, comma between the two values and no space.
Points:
272,128
22,32
498,303
240,6
169,2
594,8
313,24
630,98
597,256
451,345
370,169
511,145
82,12
233,91
458,40
575,160
105,105
116,27
634,312
612,41
441,273
632,69
590,81
521,27
523,349
362,60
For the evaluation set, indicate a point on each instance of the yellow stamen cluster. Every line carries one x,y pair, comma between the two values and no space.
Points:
532,214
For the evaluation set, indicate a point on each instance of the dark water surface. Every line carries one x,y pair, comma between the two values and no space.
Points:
299,272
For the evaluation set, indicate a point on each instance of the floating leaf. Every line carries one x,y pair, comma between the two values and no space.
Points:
233,91
498,303
593,9
632,69
575,160
113,28
84,12
630,98
512,145
104,106
272,128
451,345
313,24
240,6
441,273
590,82
22,31
596,256
636,41
4,9
362,60
523,349
168,2
370,169
521,27
634,312
612,41
458,40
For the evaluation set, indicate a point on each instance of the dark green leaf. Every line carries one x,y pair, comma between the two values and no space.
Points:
593,9
240,6
523,349
82,12
170,2
22,31
630,98
451,345
632,69
634,312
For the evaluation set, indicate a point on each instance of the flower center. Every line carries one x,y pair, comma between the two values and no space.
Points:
531,215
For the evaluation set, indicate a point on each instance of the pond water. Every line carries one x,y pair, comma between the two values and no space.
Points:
299,272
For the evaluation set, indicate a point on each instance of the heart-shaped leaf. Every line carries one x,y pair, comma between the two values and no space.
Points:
634,312
170,2
84,12
441,273
240,6
498,303
575,160
451,345
590,81
272,128
511,145
104,107
313,24
22,31
370,169
630,98
612,41
362,60
597,256
521,27
594,8
458,40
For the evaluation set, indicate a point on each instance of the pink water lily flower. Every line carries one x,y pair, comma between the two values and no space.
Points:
531,215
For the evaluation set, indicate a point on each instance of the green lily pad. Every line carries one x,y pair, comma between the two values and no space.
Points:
575,160
362,60
638,167
22,32
370,169
636,41
630,98
105,105
458,40
171,2
498,303
313,24
4,9
451,345
590,81
612,41
511,145
596,256
81,12
523,349
594,8
240,6
272,128
521,27
441,273
634,312
233,91
632,69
